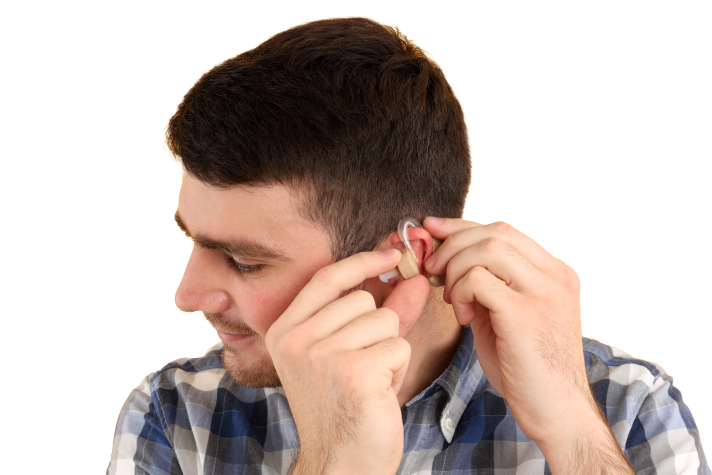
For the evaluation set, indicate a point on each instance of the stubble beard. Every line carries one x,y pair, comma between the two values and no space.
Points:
247,372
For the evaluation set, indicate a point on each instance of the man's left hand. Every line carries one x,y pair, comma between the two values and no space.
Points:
527,331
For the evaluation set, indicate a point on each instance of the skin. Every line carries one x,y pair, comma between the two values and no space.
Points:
234,304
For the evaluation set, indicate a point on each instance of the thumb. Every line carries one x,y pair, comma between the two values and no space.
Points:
408,300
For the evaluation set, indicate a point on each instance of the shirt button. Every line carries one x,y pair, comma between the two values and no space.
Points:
449,424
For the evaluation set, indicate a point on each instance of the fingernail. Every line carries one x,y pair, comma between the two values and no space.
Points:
389,253
430,261
434,220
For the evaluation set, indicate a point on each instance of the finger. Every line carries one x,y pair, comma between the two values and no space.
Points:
480,285
468,236
388,359
408,301
330,282
362,332
497,256
448,226
336,315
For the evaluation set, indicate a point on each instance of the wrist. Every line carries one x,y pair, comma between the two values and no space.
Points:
569,443
584,422
587,445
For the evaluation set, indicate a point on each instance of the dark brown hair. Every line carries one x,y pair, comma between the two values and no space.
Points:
347,112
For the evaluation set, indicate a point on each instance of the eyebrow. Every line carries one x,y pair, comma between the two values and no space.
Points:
243,248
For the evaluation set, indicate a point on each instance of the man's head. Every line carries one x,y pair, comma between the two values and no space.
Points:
336,129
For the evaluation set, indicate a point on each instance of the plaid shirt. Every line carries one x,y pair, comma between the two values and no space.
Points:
191,417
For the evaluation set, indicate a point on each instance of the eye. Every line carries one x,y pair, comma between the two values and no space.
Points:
243,269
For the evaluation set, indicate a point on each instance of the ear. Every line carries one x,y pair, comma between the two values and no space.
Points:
419,238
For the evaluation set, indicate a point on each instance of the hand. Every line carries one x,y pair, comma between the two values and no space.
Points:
527,332
342,362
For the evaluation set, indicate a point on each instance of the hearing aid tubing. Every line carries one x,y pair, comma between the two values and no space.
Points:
408,265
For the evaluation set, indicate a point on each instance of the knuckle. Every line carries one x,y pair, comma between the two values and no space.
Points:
492,244
289,348
390,317
401,345
564,271
570,278
359,300
500,227
364,297
386,312
324,276
319,353
451,242
476,274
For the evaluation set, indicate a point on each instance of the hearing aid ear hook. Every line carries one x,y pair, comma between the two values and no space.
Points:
408,265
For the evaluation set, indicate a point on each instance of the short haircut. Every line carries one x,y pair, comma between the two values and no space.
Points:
348,112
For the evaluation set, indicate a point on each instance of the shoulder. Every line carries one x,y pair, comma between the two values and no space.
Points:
599,355
624,385
645,411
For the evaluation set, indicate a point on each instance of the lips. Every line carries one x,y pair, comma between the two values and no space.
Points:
233,334
234,339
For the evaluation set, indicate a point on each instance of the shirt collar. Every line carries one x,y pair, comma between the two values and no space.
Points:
463,381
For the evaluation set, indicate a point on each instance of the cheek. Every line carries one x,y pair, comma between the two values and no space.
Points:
267,300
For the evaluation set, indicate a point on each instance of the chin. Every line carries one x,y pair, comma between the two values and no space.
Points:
250,372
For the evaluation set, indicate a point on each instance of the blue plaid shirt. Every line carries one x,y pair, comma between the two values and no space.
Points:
192,418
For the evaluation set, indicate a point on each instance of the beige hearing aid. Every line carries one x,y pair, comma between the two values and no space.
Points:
408,265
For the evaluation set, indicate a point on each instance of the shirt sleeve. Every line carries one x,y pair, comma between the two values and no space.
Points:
663,438
140,443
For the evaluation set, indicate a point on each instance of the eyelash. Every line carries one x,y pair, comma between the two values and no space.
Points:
243,269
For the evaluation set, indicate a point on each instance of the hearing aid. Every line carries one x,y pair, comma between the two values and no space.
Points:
408,265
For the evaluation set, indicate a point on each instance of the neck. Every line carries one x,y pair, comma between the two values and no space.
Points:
433,341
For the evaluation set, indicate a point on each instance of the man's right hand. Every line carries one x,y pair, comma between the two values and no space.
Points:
342,362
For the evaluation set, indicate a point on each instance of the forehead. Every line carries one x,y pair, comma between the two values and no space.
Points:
212,208
265,213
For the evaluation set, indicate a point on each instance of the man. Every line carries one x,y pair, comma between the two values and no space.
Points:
301,156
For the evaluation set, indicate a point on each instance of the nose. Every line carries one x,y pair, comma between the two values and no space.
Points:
200,289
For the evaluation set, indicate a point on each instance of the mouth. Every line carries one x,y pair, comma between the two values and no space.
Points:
234,337
233,334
